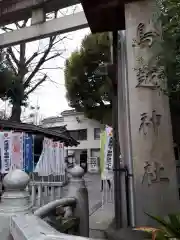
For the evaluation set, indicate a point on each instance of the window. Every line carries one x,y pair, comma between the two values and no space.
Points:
82,134
97,133
79,135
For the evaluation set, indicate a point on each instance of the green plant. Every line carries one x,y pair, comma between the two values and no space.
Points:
68,225
169,227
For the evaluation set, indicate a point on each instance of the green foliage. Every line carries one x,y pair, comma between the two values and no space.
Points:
170,18
65,225
11,87
86,91
7,79
169,227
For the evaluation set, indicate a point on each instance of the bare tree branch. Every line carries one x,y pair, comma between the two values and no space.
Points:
56,84
17,25
50,68
31,65
53,44
54,56
16,49
7,29
23,24
11,53
36,85
11,64
40,63
31,58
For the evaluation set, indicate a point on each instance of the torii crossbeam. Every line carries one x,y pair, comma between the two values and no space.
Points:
15,10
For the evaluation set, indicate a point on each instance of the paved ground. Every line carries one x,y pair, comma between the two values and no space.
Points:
93,183
100,215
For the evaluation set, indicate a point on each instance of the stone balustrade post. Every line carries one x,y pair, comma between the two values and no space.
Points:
14,201
78,190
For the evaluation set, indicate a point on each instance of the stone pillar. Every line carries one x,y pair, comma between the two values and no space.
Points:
15,199
154,165
78,190
38,16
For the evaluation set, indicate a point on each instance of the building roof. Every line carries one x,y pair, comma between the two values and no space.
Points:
62,136
52,120
70,112
105,15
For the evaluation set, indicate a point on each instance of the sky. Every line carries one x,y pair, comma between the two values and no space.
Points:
50,96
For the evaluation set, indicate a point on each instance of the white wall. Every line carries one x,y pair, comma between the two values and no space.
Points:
85,123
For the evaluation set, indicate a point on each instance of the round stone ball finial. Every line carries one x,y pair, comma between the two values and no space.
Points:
16,180
77,172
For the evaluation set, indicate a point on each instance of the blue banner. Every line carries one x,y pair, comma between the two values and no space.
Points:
28,153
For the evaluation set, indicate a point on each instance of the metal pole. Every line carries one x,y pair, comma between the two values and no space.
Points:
129,158
116,145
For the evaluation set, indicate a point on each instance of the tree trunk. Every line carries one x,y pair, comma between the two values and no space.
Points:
16,112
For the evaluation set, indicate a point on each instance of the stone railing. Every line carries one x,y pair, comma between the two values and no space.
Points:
44,189
16,209
26,227
44,192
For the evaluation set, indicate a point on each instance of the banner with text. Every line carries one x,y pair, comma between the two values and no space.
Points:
28,153
17,150
51,161
106,153
6,146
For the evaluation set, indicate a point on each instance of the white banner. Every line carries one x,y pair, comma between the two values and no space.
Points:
59,159
17,150
108,153
62,159
40,164
6,138
56,158
52,159
45,159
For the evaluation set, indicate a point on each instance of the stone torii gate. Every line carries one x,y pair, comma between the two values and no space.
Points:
144,115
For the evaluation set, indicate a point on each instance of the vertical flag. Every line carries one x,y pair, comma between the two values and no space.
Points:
55,150
39,166
45,157
102,149
52,159
57,158
17,150
6,152
1,144
62,159
28,153
43,167
49,156
106,153
109,152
